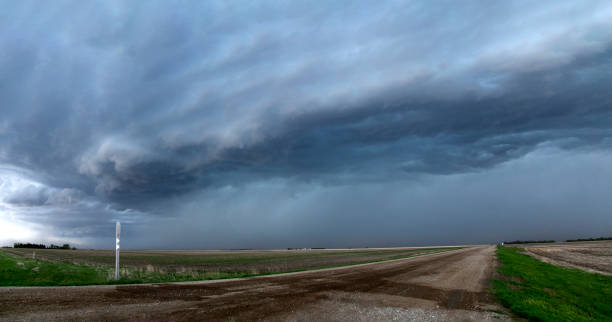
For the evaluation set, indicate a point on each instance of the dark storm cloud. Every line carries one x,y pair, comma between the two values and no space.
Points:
117,110
551,193
432,137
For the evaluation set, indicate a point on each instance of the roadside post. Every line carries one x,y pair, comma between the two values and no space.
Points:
118,233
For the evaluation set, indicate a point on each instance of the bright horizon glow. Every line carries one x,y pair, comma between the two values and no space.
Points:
12,230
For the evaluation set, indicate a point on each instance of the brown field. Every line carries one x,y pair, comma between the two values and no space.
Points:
594,257
452,285
248,261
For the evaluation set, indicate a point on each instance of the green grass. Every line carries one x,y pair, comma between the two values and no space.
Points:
18,270
543,292
15,271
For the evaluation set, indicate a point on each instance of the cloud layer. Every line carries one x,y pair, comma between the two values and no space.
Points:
300,114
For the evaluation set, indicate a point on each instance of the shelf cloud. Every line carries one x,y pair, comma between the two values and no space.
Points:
283,124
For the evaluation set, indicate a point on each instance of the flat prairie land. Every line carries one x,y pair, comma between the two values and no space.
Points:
448,286
172,266
539,291
591,256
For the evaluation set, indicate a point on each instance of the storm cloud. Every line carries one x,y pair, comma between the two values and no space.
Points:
284,124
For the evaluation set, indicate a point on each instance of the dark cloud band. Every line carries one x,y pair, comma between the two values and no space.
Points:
117,110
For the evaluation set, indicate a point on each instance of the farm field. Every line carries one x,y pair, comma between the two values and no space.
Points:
172,266
463,283
594,257
540,291
451,285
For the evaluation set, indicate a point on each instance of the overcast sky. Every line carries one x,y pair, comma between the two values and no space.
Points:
240,124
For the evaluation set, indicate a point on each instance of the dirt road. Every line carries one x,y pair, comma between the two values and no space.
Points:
447,286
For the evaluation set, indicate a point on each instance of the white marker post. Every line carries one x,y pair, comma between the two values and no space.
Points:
118,233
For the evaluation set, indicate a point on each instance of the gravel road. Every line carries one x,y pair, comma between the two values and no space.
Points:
447,286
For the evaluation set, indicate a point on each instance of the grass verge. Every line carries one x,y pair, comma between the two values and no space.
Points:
20,271
540,291
15,271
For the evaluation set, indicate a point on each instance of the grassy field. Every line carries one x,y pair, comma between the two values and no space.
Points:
544,292
78,267
15,271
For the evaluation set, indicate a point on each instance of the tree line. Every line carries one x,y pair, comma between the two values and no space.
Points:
42,246
588,239
529,241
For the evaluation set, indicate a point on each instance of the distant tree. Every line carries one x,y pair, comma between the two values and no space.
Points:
41,246
29,245
589,239
64,246
529,241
